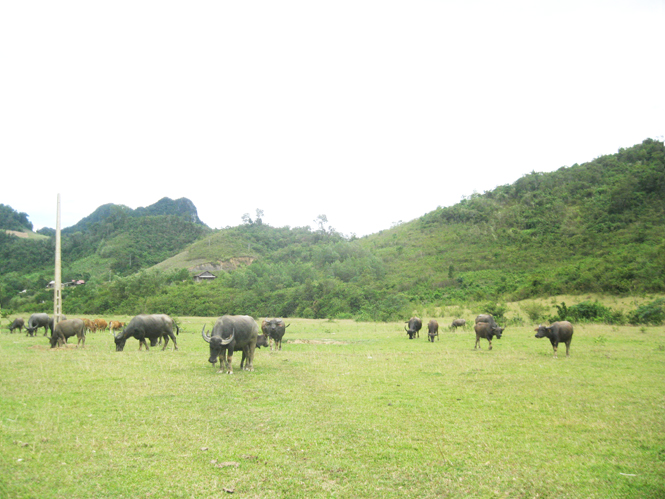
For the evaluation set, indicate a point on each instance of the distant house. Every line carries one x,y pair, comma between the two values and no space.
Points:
205,276
68,284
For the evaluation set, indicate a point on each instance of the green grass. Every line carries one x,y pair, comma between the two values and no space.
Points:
344,410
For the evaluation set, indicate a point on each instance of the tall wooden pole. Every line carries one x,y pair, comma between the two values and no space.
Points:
57,295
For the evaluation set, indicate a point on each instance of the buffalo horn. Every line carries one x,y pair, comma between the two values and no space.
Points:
226,342
205,336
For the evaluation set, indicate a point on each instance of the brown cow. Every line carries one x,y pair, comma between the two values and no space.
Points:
115,325
89,325
101,324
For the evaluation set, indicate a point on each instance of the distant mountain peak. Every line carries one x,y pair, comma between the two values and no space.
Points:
182,207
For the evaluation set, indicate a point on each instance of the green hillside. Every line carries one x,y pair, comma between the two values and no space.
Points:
597,227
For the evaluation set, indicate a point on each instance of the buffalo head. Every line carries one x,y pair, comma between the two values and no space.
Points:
120,340
218,343
542,331
498,331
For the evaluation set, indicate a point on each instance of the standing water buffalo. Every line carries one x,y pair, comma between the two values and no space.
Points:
230,333
274,329
151,327
261,341
433,330
415,324
458,323
17,324
486,327
40,320
559,332
66,329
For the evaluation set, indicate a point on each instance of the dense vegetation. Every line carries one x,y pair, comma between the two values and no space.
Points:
598,227
10,219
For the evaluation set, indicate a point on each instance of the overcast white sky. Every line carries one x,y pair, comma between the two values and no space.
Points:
370,112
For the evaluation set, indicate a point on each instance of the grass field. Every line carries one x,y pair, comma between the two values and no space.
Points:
344,410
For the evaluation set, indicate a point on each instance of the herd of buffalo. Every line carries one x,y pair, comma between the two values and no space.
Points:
233,333
487,328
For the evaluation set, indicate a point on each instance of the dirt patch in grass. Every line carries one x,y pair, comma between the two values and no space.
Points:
319,342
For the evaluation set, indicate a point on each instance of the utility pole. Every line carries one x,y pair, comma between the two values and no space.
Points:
57,295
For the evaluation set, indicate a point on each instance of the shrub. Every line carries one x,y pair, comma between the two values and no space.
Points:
588,312
652,313
534,310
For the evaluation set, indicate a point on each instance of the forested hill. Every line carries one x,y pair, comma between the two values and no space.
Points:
598,227
594,227
182,207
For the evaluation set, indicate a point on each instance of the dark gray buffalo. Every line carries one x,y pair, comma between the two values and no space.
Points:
67,329
261,341
17,324
486,327
231,333
147,327
559,332
274,329
40,320
432,330
415,324
458,323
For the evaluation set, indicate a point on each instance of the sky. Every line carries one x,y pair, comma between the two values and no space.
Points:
369,112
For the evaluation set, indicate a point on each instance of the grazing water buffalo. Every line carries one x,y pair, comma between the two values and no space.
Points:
40,320
17,324
66,329
415,324
151,327
274,329
559,332
230,333
486,327
458,323
433,330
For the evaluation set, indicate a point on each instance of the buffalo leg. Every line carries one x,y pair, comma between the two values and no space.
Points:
250,357
477,345
567,348
166,342
490,342
230,366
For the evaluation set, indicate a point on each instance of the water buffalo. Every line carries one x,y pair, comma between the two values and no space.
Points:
40,320
66,329
486,327
458,323
151,327
559,332
414,327
17,324
261,341
274,329
230,333
433,330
